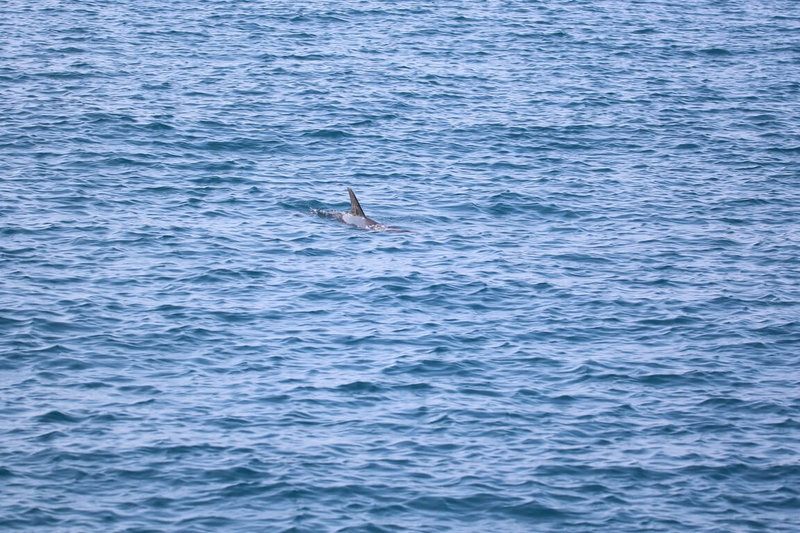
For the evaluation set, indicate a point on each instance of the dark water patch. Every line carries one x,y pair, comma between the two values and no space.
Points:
358,387
717,52
433,367
328,133
233,474
56,417
50,436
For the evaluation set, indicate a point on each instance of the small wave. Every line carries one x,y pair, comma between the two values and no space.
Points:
56,417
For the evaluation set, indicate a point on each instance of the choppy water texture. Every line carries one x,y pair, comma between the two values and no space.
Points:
592,324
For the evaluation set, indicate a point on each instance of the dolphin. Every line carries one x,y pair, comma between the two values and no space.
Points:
356,216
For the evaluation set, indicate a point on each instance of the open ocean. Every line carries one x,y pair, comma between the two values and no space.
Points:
592,323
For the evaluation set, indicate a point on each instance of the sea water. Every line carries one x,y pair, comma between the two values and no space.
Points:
591,324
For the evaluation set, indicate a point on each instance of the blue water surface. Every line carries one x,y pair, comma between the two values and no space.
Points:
592,323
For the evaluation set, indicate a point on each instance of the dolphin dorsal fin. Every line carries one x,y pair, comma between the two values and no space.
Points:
355,207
